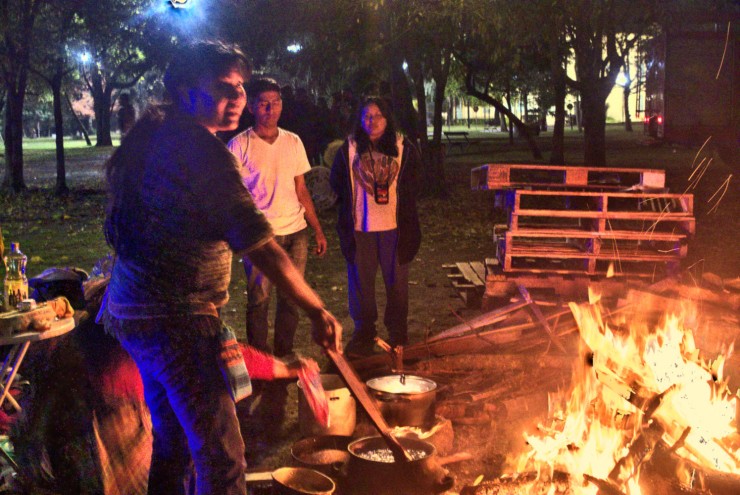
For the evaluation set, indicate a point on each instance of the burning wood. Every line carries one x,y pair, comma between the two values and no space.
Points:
638,389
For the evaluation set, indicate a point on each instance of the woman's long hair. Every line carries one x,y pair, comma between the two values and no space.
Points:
387,142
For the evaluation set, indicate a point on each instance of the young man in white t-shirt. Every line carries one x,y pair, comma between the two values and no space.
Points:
273,163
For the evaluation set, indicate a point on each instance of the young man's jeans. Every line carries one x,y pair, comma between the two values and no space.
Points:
258,299
192,411
375,249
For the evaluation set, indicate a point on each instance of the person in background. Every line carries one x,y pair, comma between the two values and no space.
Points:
374,175
126,114
174,234
273,163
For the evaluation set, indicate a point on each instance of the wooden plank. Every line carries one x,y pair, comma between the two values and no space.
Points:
590,234
611,215
504,339
611,194
540,252
573,176
483,320
479,270
470,274
535,310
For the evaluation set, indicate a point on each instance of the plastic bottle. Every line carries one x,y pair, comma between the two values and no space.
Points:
16,282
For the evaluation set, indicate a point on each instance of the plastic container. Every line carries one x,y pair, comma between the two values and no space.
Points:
342,409
15,288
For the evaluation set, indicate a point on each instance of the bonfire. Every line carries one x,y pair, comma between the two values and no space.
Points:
641,390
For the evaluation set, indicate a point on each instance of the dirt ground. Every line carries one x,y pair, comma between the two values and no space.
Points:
456,228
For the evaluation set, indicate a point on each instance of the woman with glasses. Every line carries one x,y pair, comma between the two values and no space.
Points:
374,175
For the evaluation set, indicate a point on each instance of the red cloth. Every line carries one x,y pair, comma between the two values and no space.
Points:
259,364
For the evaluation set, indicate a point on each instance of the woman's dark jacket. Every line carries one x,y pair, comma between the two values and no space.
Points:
407,218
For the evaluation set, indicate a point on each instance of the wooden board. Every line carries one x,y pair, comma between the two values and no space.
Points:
469,281
506,176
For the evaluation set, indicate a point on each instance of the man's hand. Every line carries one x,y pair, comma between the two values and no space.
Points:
326,330
320,244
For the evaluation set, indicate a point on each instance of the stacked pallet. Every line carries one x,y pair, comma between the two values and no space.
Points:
567,225
586,232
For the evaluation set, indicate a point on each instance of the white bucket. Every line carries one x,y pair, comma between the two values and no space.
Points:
342,409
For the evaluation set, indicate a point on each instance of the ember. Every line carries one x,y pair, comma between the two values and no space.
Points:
639,388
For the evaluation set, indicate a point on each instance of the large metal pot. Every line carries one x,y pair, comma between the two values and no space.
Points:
368,475
407,402
327,454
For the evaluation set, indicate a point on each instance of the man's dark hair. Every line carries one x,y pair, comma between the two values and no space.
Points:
261,85
387,143
188,67
203,59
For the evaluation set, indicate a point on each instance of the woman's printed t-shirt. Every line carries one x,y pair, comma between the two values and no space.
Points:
368,169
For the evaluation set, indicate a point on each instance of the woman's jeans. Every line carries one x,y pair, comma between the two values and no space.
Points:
375,249
193,414
258,299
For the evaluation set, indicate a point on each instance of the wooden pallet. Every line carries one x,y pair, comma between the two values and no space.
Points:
549,283
469,280
587,232
494,176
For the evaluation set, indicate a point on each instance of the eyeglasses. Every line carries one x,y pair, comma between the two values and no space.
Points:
263,104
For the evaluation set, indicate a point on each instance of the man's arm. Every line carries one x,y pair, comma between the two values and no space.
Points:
275,263
304,197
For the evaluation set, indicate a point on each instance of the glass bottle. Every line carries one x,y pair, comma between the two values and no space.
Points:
16,282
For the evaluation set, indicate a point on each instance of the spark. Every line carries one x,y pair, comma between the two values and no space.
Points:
721,62
724,187
699,152
698,179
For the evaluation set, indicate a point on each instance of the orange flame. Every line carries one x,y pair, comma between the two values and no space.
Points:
638,380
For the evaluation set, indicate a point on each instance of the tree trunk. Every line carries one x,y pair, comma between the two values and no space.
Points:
557,156
594,125
433,176
421,101
79,122
627,119
56,89
102,120
560,87
510,113
13,179
102,107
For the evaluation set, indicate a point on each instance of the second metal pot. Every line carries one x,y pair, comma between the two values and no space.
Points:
405,403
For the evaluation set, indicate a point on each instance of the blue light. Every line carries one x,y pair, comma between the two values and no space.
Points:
181,4
295,48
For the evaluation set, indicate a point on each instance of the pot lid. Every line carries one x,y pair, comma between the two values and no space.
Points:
391,384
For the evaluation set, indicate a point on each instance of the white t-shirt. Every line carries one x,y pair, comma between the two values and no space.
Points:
268,172
367,170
